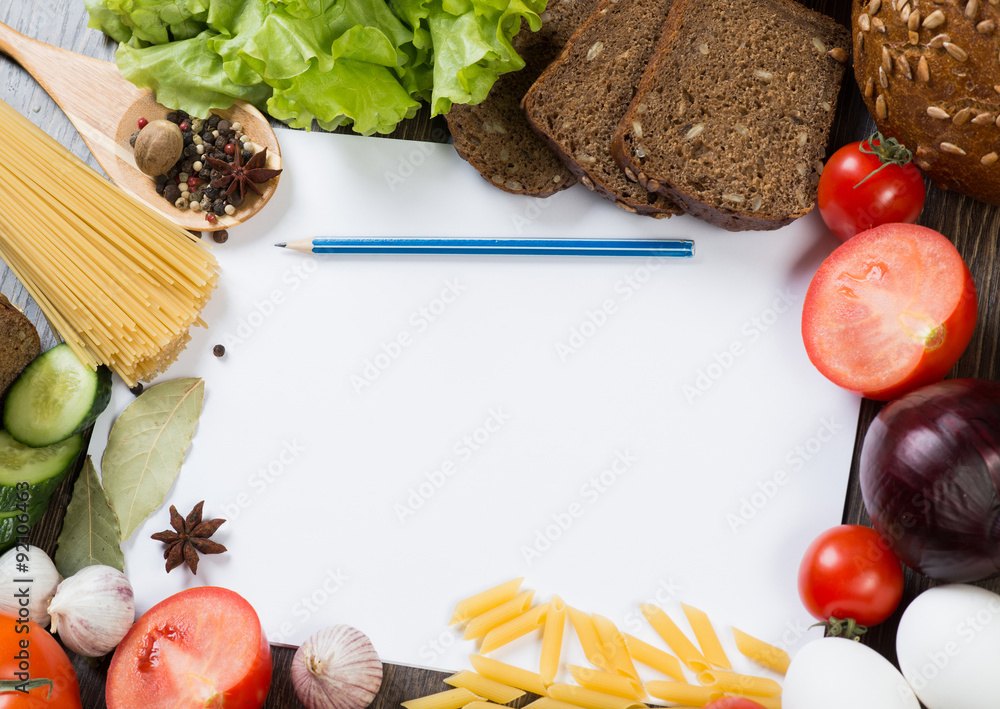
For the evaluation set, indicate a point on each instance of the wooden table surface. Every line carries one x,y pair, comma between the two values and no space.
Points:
972,226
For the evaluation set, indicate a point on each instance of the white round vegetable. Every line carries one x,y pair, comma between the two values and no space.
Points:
948,645
835,673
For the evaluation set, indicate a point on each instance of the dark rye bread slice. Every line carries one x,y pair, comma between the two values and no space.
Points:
578,100
732,116
494,136
19,344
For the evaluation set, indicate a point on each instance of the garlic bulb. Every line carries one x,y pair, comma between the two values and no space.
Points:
337,668
92,610
28,580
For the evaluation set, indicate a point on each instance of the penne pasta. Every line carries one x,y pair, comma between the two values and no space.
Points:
583,624
449,699
614,647
761,652
654,657
591,699
707,638
766,702
482,705
549,703
674,637
481,602
508,674
607,682
513,629
682,693
552,637
485,687
495,617
736,683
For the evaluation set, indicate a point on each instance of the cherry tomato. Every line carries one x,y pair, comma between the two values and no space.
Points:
850,572
36,652
198,648
889,311
868,183
733,703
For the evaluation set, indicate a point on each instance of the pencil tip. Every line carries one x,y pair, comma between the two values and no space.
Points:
282,244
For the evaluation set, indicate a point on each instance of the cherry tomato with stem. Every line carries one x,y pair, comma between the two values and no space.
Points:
868,183
850,573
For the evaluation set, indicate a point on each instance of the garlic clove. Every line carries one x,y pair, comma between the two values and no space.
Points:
92,610
336,668
29,577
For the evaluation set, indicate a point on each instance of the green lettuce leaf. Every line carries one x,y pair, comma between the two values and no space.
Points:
160,21
187,75
107,21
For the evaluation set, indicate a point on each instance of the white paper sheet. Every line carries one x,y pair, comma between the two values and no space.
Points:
388,434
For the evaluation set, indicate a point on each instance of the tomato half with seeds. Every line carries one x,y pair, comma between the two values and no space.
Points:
868,183
203,647
28,647
890,310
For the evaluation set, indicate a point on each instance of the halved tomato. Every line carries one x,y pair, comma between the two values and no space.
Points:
202,647
890,310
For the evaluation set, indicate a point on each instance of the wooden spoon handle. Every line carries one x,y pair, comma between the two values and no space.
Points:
92,93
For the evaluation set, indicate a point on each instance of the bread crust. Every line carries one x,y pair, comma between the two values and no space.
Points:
930,76
19,343
717,214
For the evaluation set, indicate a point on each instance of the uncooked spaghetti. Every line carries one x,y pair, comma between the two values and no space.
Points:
120,283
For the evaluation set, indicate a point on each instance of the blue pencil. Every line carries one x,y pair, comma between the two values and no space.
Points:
682,248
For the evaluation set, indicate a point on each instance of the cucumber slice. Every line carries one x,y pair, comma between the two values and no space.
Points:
10,521
40,469
55,397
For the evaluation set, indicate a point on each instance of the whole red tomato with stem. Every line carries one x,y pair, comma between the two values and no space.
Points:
29,648
868,183
850,572
202,647
889,311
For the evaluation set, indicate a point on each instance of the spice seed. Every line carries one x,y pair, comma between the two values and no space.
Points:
962,116
652,185
881,110
956,52
923,70
818,43
983,119
738,198
986,27
904,14
838,54
913,23
629,174
757,202
878,24
219,350
937,112
989,158
937,41
972,9
951,148
883,80
933,20
886,60
864,22
914,38
874,6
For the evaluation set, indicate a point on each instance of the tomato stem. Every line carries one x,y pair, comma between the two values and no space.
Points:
889,151
842,628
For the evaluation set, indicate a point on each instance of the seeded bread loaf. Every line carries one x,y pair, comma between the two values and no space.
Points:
494,136
930,76
19,344
578,100
732,116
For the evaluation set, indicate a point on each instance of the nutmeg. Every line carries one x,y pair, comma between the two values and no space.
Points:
158,147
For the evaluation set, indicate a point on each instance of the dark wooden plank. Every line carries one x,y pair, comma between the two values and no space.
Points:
973,227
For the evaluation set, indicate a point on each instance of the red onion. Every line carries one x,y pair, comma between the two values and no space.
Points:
930,478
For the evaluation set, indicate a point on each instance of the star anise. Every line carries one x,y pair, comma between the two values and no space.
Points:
245,177
190,536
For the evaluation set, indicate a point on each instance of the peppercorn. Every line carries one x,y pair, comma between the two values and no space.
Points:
207,137
172,117
235,199
223,126
221,141
137,389
219,350
142,123
221,236
182,115
219,207
213,121
212,192
191,150
132,138
246,155
171,192
230,149
211,218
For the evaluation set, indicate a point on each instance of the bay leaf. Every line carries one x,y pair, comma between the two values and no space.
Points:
90,533
146,448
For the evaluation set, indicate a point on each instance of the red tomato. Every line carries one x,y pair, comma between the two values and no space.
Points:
889,311
202,647
28,647
733,703
849,203
850,572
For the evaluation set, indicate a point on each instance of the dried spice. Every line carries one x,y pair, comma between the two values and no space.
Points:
243,176
190,537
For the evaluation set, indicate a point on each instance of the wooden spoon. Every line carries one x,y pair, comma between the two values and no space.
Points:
105,107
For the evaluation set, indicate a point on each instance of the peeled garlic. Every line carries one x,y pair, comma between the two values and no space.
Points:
92,610
337,668
28,580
